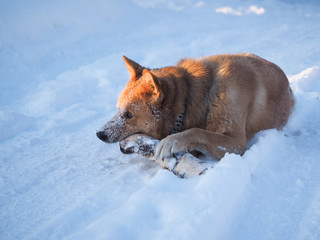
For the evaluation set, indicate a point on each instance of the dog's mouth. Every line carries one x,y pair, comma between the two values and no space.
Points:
126,145
109,138
131,134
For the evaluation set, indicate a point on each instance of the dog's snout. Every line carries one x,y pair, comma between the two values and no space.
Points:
102,136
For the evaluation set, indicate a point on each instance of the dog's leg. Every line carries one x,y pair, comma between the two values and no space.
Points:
209,143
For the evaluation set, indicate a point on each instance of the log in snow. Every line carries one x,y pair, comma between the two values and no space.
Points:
185,165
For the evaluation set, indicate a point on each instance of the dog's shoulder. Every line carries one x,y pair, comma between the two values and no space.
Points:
195,67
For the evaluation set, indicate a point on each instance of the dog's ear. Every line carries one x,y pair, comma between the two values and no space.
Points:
152,82
135,70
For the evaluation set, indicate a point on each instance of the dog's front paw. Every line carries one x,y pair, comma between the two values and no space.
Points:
172,146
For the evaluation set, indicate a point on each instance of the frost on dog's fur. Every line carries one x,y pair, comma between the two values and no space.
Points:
114,128
139,107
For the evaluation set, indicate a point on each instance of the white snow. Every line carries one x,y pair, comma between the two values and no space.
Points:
61,72
241,11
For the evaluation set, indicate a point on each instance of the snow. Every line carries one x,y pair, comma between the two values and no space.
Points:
61,73
241,11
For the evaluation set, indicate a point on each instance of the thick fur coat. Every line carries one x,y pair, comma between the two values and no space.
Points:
225,100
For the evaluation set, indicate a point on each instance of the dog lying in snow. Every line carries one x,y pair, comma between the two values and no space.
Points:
208,106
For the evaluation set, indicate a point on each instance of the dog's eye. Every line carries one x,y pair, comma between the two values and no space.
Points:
128,115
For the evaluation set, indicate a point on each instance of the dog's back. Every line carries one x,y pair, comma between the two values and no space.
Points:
243,89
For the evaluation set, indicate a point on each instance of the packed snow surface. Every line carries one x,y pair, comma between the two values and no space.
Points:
60,75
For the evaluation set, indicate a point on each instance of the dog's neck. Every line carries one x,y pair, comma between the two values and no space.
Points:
178,124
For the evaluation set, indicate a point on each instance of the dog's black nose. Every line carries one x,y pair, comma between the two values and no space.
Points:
102,136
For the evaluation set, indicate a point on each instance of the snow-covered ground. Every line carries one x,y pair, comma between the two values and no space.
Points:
60,74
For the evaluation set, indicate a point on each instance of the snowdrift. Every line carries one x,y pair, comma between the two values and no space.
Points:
61,72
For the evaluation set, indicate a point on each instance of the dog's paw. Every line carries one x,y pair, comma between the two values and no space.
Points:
172,146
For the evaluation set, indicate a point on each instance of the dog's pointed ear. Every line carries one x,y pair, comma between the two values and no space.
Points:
135,70
152,82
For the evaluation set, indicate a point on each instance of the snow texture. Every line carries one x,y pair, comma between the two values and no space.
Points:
61,72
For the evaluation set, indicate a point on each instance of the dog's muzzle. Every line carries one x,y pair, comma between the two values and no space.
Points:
112,130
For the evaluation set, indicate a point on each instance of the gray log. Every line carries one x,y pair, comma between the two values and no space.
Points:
184,165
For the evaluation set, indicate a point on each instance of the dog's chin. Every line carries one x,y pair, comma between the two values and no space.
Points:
129,135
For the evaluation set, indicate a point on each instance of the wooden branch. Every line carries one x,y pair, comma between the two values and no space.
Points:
185,165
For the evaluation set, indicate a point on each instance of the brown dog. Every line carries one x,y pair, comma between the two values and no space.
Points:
211,105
